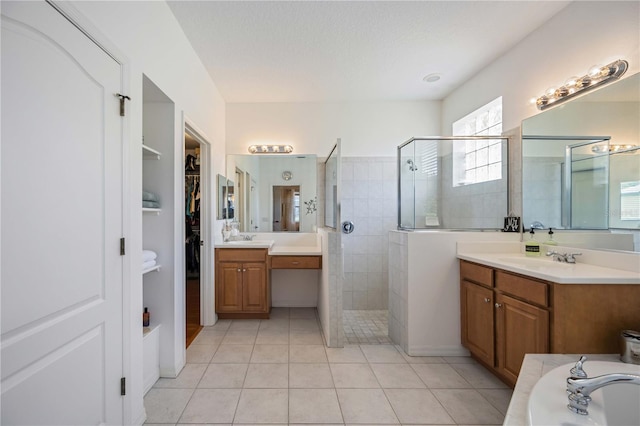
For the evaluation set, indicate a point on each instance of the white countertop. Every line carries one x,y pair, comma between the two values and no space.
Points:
533,368
278,250
275,248
547,269
588,269
240,244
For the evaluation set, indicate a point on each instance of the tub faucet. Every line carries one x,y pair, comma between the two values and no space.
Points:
579,386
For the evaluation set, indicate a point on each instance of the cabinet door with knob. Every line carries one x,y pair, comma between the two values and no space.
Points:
242,285
228,287
521,328
477,320
254,289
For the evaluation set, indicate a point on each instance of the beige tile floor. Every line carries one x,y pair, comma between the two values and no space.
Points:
279,372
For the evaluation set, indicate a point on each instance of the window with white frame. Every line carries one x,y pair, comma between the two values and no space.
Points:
476,161
630,200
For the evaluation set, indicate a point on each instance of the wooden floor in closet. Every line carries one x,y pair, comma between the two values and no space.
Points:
192,309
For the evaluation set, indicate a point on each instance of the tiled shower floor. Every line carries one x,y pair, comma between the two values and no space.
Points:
366,327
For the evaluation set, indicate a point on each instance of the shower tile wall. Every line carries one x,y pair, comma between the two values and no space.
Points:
399,285
369,200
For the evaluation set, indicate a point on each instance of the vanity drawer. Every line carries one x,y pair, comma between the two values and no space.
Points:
527,289
476,273
296,262
241,255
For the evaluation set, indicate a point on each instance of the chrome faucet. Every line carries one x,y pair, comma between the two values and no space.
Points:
570,257
557,256
579,386
563,257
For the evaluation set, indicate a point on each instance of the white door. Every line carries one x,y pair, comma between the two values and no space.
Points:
61,223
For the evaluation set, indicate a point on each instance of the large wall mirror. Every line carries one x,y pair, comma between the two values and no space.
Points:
274,193
581,162
226,198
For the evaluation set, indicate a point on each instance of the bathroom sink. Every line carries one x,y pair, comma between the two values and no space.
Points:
249,243
536,263
613,405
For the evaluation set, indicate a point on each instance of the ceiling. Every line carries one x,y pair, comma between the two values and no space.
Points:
331,51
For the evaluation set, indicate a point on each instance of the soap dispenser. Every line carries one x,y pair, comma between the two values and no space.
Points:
551,241
532,247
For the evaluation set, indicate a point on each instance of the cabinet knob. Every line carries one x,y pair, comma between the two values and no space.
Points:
244,270
238,269
295,263
487,300
498,305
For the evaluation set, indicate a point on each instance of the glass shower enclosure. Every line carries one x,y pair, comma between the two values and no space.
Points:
454,183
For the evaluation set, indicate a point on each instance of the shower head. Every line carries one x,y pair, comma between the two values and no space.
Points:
412,165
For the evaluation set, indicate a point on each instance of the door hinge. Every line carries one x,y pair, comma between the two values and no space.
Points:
123,386
122,98
122,246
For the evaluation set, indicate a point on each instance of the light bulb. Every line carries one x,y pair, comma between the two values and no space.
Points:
550,91
561,92
542,100
571,81
595,71
583,81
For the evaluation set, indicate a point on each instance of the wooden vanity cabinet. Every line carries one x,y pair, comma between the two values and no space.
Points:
242,283
520,328
534,316
503,317
477,320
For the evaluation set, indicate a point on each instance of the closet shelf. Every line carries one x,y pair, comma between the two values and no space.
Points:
153,268
149,153
151,210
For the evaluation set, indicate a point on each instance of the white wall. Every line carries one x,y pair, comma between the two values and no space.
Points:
581,35
148,36
433,290
367,129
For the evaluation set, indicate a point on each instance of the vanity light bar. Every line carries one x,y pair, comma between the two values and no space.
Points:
613,148
597,76
270,149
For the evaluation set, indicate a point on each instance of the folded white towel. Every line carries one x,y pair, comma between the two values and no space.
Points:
148,264
148,255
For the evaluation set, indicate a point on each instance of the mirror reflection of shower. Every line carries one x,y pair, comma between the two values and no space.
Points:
566,181
412,166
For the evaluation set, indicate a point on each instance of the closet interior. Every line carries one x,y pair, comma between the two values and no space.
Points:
193,238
